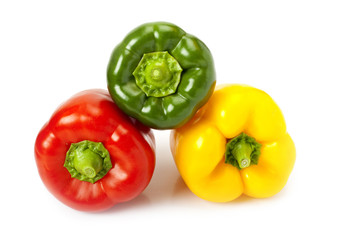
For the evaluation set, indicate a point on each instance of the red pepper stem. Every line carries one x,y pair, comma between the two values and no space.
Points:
87,161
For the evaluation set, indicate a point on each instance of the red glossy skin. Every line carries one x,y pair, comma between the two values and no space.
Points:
92,115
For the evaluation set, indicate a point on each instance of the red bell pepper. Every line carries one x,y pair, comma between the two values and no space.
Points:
90,155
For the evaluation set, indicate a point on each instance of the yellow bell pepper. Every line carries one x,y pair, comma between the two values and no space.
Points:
236,144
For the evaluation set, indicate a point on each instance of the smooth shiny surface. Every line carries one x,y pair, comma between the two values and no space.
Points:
199,146
197,78
92,115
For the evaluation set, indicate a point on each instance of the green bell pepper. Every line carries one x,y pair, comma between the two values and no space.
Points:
161,75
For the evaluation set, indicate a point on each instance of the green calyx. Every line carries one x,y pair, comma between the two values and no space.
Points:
158,74
87,161
242,151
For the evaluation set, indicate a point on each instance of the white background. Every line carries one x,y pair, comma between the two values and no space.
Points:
305,54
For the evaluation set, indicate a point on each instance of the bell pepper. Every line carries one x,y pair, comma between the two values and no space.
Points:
90,155
236,144
161,75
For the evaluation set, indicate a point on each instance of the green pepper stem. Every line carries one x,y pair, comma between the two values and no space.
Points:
158,74
242,151
87,161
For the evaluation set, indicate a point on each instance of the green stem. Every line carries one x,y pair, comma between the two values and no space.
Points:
158,74
87,161
242,151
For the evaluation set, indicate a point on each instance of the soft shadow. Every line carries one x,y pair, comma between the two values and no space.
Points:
246,199
243,199
166,174
180,190
138,202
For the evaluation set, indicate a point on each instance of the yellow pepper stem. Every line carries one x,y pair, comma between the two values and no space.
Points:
242,151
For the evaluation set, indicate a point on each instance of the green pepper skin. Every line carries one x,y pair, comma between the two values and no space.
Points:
197,78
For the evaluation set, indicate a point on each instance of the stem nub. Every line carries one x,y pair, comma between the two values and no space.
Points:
242,151
158,74
87,161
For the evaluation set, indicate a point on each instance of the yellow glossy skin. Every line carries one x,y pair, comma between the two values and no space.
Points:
199,146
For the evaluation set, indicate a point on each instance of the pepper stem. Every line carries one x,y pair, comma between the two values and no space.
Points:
158,74
87,161
242,151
